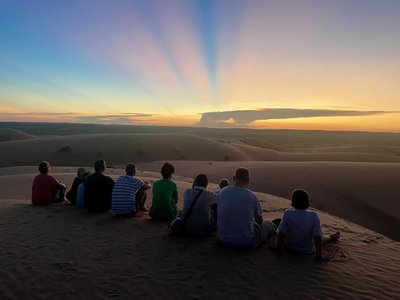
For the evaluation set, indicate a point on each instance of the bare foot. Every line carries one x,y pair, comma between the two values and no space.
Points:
144,209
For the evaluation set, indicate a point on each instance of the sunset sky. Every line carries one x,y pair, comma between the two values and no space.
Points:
303,64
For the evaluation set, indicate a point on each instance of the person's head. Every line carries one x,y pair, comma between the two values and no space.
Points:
81,172
300,199
241,177
167,170
44,167
200,180
100,166
130,169
223,183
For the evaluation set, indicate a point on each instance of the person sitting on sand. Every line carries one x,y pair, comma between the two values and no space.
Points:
98,189
300,229
222,183
80,195
240,221
165,195
72,193
45,188
201,221
129,193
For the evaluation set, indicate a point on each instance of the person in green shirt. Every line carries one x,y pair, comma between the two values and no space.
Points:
165,195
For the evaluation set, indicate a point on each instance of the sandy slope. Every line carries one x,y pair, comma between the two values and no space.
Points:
9,134
62,252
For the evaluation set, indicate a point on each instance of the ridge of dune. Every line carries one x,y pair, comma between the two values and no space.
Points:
48,250
11,134
122,147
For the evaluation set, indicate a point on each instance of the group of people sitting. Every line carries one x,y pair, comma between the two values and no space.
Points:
233,211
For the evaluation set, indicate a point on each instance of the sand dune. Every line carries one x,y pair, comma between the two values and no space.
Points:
62,252
119,148
10,134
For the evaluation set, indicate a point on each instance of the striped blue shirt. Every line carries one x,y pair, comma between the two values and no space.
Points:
124,194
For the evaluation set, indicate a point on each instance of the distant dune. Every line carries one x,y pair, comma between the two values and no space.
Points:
118,148
10,134
62,252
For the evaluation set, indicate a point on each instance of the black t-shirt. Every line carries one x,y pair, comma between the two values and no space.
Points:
98,191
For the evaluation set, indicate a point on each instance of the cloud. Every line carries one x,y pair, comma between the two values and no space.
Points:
121,119
245,117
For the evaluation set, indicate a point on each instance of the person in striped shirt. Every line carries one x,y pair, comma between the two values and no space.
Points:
129,193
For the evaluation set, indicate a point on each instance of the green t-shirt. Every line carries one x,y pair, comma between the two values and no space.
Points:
163,206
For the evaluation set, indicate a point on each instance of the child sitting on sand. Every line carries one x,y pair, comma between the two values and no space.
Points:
72,193
300,229
165,195
222,183
45,188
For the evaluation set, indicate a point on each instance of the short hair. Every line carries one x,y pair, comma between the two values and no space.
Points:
167,170
242,174
200,180
44,167
130,169
223,183
100,165
300,199
81,172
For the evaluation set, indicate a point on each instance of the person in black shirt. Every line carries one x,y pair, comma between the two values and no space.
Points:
98,189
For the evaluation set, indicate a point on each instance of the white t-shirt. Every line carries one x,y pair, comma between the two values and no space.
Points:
300,226
124,194
237,208
200,221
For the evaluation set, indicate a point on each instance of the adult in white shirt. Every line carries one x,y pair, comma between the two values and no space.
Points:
240,221
201,220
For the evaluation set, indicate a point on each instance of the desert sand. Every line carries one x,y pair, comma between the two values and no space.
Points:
62,252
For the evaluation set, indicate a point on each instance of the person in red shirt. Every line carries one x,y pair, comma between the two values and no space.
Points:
45,188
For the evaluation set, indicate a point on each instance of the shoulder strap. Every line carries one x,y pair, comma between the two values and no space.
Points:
189,212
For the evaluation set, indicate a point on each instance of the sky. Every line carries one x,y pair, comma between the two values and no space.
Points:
304,64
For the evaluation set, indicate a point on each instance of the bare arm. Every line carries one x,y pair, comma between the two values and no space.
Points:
175,196
318,247
146,186
60,185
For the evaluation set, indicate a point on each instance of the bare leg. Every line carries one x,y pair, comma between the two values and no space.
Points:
141,197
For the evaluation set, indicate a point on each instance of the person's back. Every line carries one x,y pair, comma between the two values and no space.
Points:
300,226
163,205
201,220
98,190
126,198
165,195
236,209
45,188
